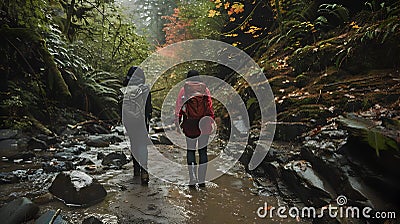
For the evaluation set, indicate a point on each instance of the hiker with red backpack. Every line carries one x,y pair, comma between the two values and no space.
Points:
136,114
194,114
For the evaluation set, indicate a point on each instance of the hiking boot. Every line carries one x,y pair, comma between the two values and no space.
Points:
136,167
136,172
192,175
202,185
144,177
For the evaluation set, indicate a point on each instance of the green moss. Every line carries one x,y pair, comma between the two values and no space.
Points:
13,37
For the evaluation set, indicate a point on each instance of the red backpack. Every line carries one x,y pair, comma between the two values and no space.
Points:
196,106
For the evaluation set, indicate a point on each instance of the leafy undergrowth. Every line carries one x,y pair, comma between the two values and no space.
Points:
352,68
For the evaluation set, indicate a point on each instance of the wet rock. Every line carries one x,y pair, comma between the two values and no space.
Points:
157,126
76,188
93,128
92,220
50,140
290,131
57,166
43,199
8,178
379,173
335,169
7,134
18,211
273,170
25,156
76,150
371,133
154,139
65,156
8,147
110,138
85,161
322,150
35,143
116,159
160,138
118,129
97,141
309,186
165,140
48,216
100,155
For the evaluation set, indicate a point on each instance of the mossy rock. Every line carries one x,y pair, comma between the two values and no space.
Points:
367,132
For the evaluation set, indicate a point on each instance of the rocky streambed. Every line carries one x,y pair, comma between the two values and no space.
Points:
85,176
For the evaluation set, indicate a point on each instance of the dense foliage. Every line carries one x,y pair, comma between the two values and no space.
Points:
57,54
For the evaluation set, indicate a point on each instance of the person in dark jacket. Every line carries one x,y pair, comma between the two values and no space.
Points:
196,132
137,128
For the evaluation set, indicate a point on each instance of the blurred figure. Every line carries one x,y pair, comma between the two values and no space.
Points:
136,114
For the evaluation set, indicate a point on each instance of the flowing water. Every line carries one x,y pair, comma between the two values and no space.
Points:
231,198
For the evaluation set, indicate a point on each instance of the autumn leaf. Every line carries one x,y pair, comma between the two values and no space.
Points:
231,35
226,5
236,44
231,19
217,1
354,25
213,13
238,8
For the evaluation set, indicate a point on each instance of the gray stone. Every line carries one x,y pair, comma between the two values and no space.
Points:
92,220
310,187
18,211
35,143
76,188
97,141
47,216
335,168
8,147
8,178
160,138
117,159
57,166
7,134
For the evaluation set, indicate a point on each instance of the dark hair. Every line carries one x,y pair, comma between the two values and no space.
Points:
193,75
138,78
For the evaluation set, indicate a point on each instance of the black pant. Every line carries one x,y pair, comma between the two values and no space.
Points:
201,143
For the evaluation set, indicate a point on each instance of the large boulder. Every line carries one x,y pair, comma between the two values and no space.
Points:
307,184
18,211
76,188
